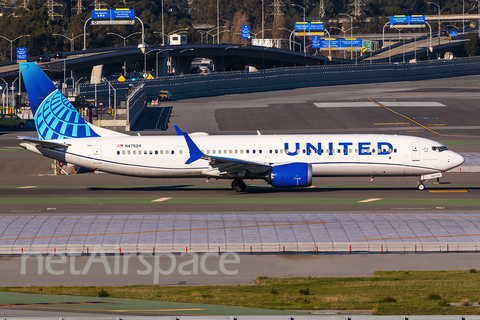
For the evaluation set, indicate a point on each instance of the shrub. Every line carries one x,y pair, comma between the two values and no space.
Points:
102,293
465,302
442,303
303,300
207,296
434,296
304,292
388,299
273,291
472,270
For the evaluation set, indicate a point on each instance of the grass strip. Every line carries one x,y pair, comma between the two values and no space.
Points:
239,200
386,293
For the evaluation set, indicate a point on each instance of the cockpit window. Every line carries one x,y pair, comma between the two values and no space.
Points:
439,148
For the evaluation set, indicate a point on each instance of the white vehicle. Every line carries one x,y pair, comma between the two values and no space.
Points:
281,160
177,39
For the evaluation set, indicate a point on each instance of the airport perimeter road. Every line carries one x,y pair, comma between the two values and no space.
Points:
248,267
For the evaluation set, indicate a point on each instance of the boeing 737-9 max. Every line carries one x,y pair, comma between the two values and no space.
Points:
281,160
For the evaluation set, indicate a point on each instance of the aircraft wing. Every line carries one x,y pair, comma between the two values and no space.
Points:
44,143
222,164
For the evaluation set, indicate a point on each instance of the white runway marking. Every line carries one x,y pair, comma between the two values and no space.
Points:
161,199
371,200
27,187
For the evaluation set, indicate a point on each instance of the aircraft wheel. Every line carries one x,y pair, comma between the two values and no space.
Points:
421,186
238,185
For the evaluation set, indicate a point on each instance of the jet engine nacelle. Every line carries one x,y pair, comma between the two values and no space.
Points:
296,174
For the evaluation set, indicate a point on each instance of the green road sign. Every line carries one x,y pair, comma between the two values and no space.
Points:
367,44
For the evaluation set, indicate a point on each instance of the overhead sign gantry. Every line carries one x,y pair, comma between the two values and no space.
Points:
113,16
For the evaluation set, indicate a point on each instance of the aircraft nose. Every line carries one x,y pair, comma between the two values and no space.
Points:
456,160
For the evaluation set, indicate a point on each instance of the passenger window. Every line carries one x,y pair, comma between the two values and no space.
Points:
338,150
173,151
219,151
134,152
213,151
328,150
241,151
276,150
151,152
230,151
224,151
144,151
281,150
128,152
161,151
156,151
260,151
248,151
236,151
356,150
118,152
350,150
123,152
181,151
253,151
208,151
303,150
395,150
373,150
166,151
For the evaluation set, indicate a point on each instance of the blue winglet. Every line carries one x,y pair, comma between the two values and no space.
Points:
195,152
178,131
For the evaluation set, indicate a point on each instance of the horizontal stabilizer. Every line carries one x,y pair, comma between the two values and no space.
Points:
44,143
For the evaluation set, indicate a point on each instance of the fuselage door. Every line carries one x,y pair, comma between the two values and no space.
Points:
97,154
260,154
415,151
270,153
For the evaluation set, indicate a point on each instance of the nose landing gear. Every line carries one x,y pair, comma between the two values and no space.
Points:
238,185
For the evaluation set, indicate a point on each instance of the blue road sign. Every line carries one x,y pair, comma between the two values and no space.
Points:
245,32
123,14
453,33
317,26
21,54
302,26
399,20
351,43
316,42
101,14
417,19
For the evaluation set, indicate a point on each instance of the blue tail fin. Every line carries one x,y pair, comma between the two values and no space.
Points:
55,117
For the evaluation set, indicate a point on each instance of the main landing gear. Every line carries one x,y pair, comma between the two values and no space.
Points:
238,185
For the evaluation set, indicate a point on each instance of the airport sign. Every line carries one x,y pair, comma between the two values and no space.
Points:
313,28
113,16
402,21
453,33
21,54
245,32
367,44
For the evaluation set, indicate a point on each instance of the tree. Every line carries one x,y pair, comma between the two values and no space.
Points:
472,46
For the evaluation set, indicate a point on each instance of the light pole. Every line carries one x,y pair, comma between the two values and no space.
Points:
11,43
225,50
304,31
263,23
85,34
478,26
124,38
178,58
3,95
344,35
72,39
114,98
290,37
351,34
438,19
163,28
463,16
156,59
218,20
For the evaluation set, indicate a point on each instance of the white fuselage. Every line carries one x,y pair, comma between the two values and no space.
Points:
330,155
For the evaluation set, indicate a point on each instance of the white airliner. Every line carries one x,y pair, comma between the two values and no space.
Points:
281,160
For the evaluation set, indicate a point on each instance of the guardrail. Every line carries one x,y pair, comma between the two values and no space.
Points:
257,248
219,83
